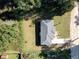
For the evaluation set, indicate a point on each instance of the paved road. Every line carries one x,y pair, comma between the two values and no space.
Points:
74,33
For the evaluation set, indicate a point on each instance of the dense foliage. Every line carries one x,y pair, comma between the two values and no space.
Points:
51,7
8,34
43,4
27,4
56,54
42,7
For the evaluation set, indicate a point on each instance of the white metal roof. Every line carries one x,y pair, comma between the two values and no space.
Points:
47,32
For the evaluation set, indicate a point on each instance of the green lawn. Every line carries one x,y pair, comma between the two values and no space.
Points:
62,24
29,37
13,56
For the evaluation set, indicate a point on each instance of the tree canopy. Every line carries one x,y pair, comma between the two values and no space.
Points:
8,34
41,7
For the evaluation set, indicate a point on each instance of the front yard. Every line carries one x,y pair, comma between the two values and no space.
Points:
62,24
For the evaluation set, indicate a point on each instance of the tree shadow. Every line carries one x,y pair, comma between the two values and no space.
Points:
11,15
58,53
37,32
66,51
45,12
7,3
16,14
50,8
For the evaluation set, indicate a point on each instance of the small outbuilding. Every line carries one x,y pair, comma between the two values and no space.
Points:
47,32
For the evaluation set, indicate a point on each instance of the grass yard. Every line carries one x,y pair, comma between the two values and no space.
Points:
62,24
29,37
13,56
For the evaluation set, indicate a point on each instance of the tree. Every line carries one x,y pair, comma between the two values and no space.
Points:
56,7
43,4
27,4
43,8
8,35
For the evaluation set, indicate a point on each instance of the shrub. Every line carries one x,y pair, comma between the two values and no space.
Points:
8,34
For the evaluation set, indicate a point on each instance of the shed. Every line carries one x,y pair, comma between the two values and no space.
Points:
47,32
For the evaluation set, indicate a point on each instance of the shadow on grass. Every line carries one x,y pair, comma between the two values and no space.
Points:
37,32
58,53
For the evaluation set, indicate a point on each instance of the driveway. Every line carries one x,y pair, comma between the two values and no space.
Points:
74,33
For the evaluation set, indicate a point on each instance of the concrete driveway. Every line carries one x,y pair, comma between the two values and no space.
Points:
74,33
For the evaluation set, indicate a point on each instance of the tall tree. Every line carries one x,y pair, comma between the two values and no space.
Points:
51,7
42,7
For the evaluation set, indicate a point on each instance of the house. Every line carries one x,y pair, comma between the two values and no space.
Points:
48,34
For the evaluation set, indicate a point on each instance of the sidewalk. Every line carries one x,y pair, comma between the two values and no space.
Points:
74,30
